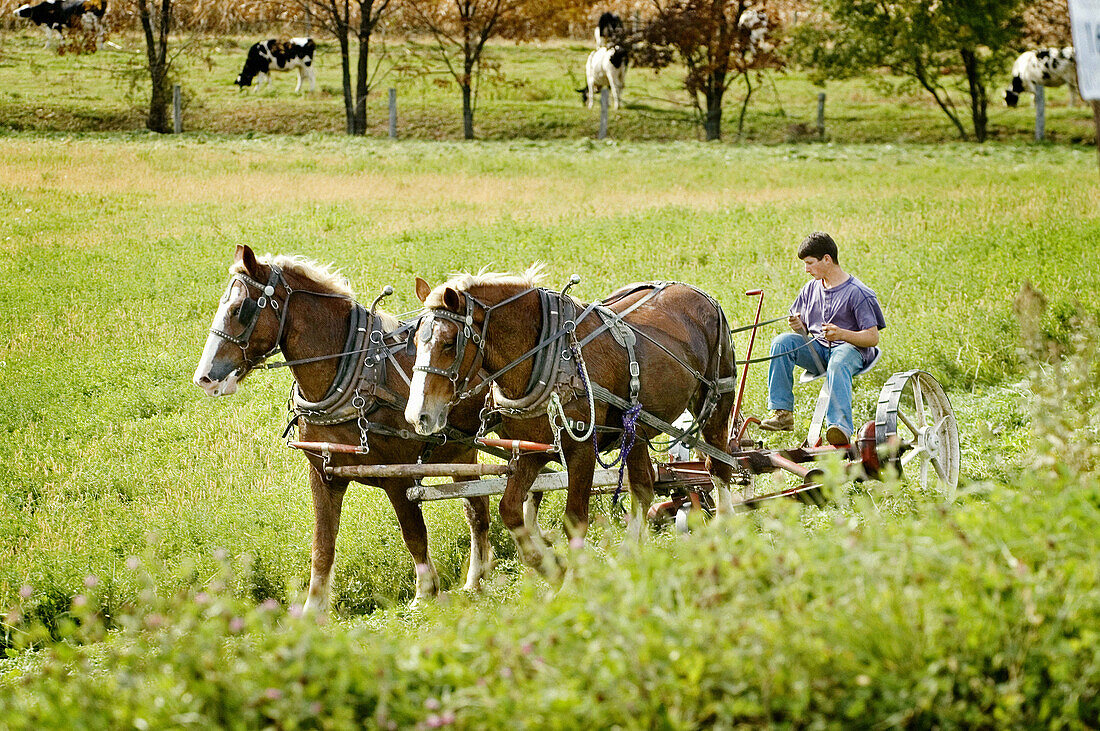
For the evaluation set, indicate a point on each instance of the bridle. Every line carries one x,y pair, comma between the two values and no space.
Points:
469,331
249,315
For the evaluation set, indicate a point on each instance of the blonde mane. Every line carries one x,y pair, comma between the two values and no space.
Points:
325,276
464,282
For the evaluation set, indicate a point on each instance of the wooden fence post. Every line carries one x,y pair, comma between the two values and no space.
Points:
177,110
604,98
821,115
1040,113
393,113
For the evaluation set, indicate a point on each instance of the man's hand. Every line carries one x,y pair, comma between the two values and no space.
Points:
832,332
795,322
859,338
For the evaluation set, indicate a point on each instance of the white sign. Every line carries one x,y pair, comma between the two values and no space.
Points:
1084,17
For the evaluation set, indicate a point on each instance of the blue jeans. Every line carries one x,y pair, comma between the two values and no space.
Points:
842,362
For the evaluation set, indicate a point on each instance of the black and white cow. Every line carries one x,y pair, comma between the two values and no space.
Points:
1045,67
609,30
605,67
278,55
56,15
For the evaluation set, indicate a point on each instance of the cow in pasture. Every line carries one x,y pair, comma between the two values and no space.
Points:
57,15
279,55
605,67
609,30
1045,67
754,24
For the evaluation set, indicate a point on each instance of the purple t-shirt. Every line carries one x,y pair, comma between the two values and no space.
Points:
851,305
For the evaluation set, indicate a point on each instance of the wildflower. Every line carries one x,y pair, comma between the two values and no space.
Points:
79,600
269,605
91,581
25,591
273,694
133,563
432,704
236,625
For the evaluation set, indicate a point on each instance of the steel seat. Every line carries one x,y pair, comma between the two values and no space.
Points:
808,377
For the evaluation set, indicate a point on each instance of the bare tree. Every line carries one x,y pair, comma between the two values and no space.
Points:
346,19
460,29
156,22
718,41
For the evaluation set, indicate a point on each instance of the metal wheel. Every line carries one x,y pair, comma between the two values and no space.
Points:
915,430
682,518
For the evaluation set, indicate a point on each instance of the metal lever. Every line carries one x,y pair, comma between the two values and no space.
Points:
576,278
386,292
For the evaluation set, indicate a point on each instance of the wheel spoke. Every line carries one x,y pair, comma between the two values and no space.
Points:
909,423
918,401
913,454
935,460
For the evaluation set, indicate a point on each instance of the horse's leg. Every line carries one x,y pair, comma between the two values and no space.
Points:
531,516
481,552
639,468
716,434
581,460
511,514
411,520
327,500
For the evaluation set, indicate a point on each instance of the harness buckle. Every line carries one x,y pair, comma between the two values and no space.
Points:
635,369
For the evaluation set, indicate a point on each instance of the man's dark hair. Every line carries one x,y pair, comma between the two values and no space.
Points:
817,245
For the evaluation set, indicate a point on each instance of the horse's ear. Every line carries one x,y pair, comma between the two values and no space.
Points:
451,300
422,289
247,257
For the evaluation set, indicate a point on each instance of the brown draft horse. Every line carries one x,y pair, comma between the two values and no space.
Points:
304,310
490,321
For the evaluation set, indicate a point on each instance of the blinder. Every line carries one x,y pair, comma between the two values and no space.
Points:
249,312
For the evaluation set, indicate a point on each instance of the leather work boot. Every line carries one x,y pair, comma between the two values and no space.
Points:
780,420
836,436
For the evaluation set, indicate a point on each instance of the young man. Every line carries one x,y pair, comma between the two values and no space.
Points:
843,319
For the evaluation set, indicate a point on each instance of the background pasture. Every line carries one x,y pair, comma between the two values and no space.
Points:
527,91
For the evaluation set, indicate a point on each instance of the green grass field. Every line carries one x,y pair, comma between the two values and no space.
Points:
115,248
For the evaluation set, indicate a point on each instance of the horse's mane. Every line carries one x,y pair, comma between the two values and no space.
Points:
324,276
464,282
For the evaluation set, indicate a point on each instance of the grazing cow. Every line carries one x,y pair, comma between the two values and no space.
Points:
609,30
278,55
1045,67
605,67
55,15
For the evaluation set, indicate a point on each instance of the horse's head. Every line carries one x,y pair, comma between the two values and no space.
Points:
246,327
447,355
